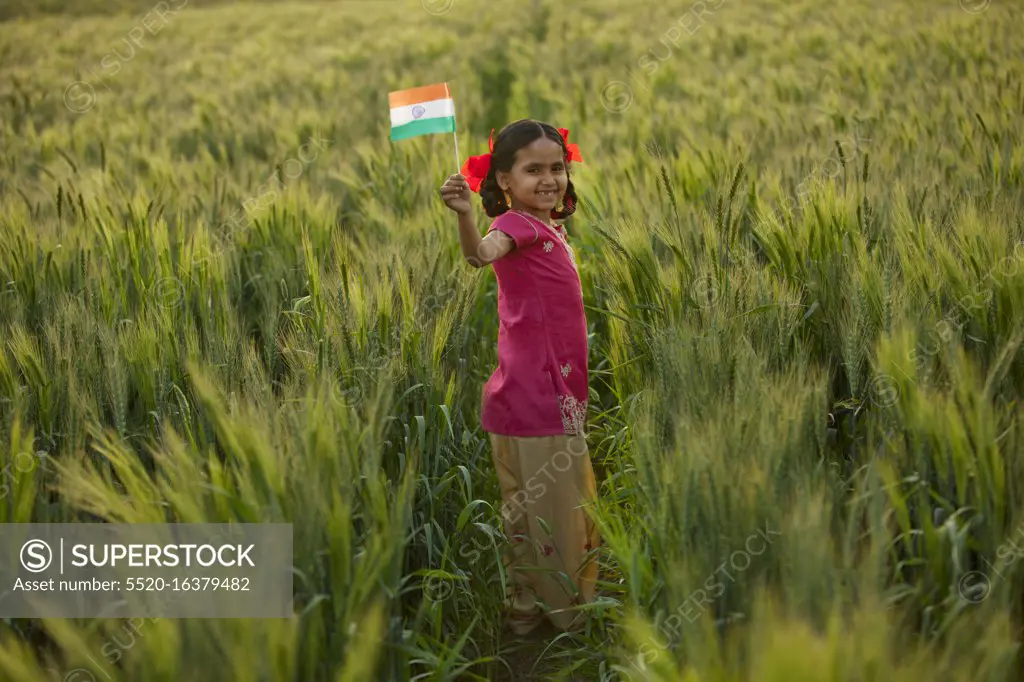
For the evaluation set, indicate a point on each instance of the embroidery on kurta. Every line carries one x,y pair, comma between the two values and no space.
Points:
574,413
560,233
572,256
566,368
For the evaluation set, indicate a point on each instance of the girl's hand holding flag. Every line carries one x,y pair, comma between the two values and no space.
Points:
456,194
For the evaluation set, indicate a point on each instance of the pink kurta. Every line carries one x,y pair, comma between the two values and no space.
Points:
540,386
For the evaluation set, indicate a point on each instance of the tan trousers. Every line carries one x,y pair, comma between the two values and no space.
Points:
552,560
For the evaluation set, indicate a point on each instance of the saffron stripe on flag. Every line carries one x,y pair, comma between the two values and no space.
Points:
426,93
423,127
437,108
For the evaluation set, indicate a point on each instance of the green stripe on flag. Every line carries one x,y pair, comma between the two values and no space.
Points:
445,124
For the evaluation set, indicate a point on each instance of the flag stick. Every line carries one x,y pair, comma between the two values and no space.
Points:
458,161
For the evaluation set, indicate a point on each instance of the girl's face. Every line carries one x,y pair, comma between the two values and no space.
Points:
538,177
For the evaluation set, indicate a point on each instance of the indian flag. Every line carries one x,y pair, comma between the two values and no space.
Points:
421,111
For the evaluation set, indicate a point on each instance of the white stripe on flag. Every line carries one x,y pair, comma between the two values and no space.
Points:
438,108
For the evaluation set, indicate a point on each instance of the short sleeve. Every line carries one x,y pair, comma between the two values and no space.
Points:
523,232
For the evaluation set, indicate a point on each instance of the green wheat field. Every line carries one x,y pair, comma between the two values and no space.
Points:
226,296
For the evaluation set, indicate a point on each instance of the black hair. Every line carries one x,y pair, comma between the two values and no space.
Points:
510,140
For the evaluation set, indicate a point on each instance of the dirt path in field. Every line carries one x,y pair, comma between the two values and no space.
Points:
521,661
520,654
527,660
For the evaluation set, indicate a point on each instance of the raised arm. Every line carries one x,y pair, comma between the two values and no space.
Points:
478,251
482,251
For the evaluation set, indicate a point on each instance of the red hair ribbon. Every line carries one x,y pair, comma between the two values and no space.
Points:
475,168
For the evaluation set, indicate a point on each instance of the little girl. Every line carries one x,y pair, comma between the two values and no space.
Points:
534,406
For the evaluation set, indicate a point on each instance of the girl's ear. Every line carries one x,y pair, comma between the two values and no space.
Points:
502,178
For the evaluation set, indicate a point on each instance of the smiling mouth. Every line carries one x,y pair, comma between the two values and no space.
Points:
548,192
